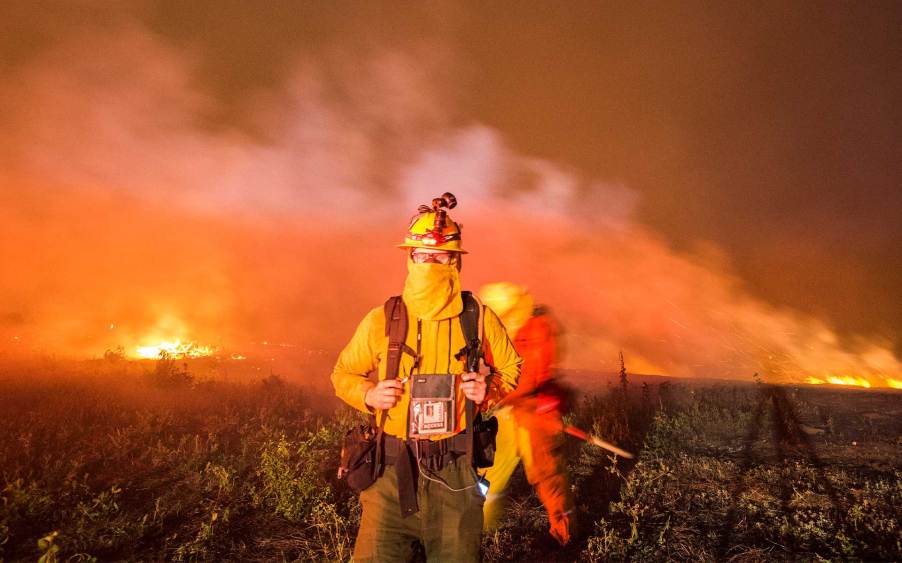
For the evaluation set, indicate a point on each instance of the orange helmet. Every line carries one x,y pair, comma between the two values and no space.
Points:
433,228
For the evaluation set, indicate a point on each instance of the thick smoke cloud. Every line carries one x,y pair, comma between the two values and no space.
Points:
126,218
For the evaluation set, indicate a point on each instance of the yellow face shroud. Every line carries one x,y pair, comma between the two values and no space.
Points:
432,291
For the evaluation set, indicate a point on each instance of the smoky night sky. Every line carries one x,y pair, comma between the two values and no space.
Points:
713,188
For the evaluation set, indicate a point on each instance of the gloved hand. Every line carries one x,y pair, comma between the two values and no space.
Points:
560,527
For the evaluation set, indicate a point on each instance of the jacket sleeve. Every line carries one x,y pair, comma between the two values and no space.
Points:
359,358
504,359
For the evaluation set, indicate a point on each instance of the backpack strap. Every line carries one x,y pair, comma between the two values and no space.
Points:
396,330
472,329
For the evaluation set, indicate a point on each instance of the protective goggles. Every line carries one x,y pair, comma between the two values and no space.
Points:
431,257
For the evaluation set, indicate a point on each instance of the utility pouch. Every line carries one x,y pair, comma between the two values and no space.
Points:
433,404
358,457
485,431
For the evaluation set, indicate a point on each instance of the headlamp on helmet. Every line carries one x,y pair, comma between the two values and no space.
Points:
431,227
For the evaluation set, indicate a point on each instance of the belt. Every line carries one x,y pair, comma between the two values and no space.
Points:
407,455
425,449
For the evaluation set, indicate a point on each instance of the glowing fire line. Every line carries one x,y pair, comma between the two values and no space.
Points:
175,349
844,380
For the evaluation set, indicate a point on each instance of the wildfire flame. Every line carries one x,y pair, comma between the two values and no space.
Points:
847,380
176,349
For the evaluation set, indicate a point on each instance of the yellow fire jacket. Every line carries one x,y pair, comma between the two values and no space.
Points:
440,341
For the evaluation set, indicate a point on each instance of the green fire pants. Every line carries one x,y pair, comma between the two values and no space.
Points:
448,523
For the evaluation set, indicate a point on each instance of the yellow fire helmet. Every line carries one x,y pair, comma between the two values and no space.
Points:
510,301
431,227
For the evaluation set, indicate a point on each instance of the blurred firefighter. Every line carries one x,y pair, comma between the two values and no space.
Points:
530,420
425,486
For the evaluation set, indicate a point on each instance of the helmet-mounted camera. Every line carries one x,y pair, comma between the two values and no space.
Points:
431,227
436,236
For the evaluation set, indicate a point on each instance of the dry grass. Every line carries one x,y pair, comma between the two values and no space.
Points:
130,464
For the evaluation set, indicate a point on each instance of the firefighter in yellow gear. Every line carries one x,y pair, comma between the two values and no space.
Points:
527,429
446,514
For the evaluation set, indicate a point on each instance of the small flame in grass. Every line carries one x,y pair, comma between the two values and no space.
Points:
175,349
894,383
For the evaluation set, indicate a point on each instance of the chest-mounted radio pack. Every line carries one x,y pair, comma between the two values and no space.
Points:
433,405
